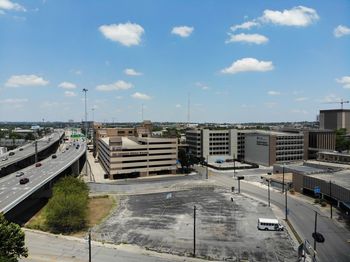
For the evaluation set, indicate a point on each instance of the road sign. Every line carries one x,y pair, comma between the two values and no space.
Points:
308,248
317,190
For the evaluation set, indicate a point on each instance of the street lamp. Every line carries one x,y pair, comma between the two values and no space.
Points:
86,127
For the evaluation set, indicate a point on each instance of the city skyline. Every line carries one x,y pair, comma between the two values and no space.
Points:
239,62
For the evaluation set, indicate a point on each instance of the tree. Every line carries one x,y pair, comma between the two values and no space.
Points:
12,241
183,159
66,210
342,143
29,136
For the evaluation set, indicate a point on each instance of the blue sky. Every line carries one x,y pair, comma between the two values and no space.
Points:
238,61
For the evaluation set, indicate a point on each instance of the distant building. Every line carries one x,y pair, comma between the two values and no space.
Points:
216,143
269,147
123,156
334,119
334,157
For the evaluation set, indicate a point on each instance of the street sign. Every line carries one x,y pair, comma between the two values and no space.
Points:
317,190
308,248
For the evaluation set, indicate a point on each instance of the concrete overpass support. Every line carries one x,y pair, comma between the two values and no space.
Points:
75,168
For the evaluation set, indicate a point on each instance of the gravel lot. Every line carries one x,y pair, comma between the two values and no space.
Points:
225,230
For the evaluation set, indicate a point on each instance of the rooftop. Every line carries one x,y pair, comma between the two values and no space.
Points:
341,178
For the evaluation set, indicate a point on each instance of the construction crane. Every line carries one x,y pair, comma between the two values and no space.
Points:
341,102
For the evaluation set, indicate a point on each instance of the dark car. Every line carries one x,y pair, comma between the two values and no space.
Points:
54,156
37,164
24,180
77,147
11,153
21,149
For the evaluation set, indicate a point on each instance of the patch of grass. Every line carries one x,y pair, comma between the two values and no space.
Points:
99,207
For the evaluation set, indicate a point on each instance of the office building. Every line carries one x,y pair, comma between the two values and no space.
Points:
123,156
269,147
216,144
334,119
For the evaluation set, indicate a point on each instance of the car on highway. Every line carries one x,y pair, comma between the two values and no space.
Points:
38,164
20,173
54,156
24,180
11,153
77,147
21,149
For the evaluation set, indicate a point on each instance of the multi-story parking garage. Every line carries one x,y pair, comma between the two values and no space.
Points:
137,156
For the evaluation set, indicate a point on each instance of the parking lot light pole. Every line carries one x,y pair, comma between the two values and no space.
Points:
286,204
194,231
86,130
283,179
268,190
330,197
315,232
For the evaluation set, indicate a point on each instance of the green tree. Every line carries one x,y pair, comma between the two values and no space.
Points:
67,209
341,143
183,159
11,241
29,136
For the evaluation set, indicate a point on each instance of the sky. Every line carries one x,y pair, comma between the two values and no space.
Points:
230,61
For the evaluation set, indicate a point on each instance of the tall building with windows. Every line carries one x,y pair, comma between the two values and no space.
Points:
335,119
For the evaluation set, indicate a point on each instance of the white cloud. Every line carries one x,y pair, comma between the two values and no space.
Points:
248,64
202,86
132,72
300,99
273,93
119,97
178,106
127,34
69,94
330,98
46,104
8,5
119,85
13,101
140,96
341,30
297,16
248,38
67,85
25,80
345,81
183,31
245,25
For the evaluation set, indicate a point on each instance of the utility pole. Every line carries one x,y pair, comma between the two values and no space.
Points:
330,197
36,151
207,173
286,204
315,231
268,191
234,165
194,231
89,245
142,112
86,131
93,114
283,179
188,109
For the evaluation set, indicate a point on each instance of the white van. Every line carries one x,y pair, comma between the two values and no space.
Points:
269,224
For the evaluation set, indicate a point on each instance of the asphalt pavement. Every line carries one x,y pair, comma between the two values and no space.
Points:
47,247
12,192
302,216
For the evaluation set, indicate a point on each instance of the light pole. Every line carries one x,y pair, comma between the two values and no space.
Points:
283,179
330,197
93,114
194,231
234,165
268,190
286,204
86,130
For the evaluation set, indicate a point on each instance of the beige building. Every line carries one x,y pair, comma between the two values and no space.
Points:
123,156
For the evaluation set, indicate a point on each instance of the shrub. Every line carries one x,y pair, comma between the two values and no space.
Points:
316,201
292,191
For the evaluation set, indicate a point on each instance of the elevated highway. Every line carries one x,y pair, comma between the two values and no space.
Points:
13,193
25,155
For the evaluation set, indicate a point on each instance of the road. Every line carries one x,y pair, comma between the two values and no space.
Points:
11,192
28,149
302,217
47,247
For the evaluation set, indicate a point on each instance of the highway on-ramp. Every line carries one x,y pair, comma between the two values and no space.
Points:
12,192
28,150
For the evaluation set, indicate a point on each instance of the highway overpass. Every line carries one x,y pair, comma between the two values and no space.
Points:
12,193
25,155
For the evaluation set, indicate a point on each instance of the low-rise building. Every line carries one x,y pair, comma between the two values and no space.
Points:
123,156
